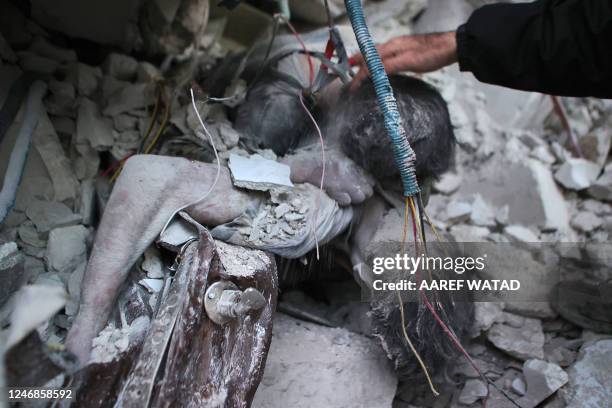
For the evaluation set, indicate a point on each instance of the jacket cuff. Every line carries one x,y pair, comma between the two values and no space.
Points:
463,48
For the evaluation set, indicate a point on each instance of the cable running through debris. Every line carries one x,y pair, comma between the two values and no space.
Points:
212,143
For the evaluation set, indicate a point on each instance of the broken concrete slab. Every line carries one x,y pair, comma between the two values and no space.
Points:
500,182
130,97
85,78
120,66
469,233
577,174
50,149
586,221
67,248
448,183
524,342
458,211
519,233
314,366
482,214
485,315
257,173
47,215
602,187
543,380
590,380
91,126
43,47
472,391
29,235
153,264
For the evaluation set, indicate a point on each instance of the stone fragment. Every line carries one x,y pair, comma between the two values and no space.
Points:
130,97
125,143
586,221
595,145
523,342
518,386
61,99
448,184
67,248
87,201
57,163
257,173
472,391
590,378
120,66
458,211
31,62
63,125
124,122
152,285
84,77
482,214
11,270
485,315
543,154
29,235
152,264
469,233
602,188
314,366
91,126
42,47
577,174
47,215
148,72
520,233
543,379
501,215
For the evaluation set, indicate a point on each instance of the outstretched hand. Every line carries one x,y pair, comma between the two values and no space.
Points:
414,53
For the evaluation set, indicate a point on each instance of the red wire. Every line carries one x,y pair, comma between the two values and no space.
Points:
115,165
299,38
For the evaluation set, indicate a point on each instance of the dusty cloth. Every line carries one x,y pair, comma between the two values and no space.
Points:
560,47
286,222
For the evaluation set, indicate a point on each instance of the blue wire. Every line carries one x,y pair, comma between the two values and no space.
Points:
403,154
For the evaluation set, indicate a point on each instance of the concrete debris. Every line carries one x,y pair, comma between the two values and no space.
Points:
112,342
87,201
458,211
519,386
67,248
152,285
520,233
543,379
125,142
91,126
120,66
257,173
596,145
469,233
472,391
125,122
49,147
501,215
586,221
177,233
148,72
482,214
130,97
448,184
64,126
543,154
590,381
152,264
524,342
31,62
29,235
314,366
47,215
11,270
34,305
61,99
85,78
577,174
602,187
485,315
42,47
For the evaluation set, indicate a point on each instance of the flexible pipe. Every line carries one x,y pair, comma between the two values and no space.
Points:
17,161
403,154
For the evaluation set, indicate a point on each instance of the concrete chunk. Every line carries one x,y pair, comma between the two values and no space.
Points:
257,173
67,248
577,174
524,342
47,215
93,127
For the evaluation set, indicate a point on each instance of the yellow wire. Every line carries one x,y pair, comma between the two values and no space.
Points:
408,203
160,129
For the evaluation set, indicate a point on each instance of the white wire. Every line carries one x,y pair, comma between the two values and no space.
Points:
212,143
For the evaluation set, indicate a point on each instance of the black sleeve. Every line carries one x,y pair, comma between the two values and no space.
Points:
559,47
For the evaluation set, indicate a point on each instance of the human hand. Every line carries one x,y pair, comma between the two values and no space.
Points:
344,181
415,53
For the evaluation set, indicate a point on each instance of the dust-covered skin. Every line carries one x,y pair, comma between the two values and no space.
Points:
148,191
